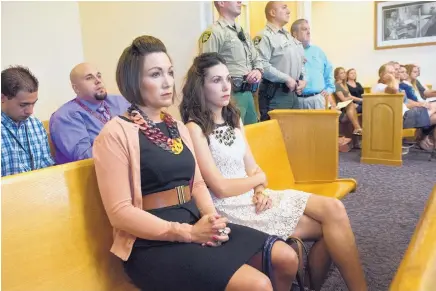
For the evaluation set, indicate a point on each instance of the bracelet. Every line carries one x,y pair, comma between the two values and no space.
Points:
262,193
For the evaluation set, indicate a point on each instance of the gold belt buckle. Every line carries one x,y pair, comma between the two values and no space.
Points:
181,194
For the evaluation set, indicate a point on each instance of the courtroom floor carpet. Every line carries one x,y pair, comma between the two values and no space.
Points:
384,212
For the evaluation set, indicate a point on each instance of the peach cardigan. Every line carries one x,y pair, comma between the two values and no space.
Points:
116,155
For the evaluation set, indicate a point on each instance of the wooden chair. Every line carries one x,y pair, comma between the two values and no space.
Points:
56,234
299,159
417,270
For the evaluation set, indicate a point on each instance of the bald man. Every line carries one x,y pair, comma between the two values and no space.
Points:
74,126
282,58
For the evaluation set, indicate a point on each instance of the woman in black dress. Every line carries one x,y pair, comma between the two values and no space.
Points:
355,88
143,160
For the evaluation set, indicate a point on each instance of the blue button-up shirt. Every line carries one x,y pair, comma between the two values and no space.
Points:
73,129
319,71
17,153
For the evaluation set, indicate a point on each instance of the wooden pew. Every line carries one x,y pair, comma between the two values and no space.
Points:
56,234
306,162
417,271
46,124
366,89
382,129
50,143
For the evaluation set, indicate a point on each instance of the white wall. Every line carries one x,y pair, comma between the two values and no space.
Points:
345,31
105,35
46,37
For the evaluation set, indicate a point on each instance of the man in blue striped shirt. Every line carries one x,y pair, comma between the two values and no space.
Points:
320,83
24,140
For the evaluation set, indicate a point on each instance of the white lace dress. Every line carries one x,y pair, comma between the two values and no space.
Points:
288,205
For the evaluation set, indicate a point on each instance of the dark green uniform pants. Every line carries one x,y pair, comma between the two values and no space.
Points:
245,103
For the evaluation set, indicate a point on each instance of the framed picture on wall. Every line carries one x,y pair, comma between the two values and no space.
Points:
404,24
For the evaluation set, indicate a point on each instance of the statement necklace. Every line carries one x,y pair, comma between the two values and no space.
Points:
171,144
226,136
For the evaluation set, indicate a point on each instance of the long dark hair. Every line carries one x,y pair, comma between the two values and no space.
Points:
193,106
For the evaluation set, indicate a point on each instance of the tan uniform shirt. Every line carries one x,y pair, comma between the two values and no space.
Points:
241,56
281,54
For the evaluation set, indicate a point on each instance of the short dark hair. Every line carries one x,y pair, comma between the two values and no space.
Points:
193,106
16,79
130,66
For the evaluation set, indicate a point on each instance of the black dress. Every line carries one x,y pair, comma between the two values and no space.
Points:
167,266
356,92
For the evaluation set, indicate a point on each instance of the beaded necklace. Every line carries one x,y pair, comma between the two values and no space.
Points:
226,136
172,144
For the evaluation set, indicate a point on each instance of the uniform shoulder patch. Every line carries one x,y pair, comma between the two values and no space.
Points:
256,40
205,36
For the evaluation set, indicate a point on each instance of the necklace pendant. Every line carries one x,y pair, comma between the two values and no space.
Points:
177,146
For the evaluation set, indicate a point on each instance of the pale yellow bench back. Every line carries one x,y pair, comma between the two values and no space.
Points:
55,232
417,270
50,143
269,151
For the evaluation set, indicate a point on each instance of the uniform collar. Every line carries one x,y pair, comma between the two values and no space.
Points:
275,29
223,22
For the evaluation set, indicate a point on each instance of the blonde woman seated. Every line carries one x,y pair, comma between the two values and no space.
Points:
342,94
412,73
415,114
406,86
238,185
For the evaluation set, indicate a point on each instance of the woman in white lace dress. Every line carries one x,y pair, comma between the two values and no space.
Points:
238,185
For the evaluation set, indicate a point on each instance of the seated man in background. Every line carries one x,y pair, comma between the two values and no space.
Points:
24,140
74,126
318,71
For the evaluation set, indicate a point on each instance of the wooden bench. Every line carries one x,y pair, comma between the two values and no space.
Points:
56,234
306,162
366,89
417,271
50,143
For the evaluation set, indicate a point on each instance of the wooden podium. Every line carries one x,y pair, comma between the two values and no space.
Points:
382,129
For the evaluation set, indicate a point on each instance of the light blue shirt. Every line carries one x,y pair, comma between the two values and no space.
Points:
319,71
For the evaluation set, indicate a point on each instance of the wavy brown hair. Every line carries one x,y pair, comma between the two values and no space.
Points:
343,82
409,69
193,106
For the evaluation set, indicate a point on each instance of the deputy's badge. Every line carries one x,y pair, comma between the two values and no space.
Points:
257,39
205,36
